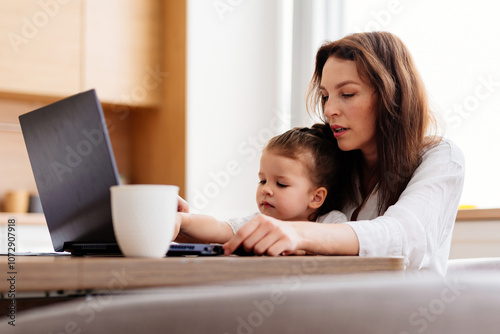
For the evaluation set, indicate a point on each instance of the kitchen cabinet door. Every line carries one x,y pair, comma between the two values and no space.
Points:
40,48
122,51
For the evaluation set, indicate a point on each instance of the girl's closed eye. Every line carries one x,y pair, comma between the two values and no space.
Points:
281,185
262,182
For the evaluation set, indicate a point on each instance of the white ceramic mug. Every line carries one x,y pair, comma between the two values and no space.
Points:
144,218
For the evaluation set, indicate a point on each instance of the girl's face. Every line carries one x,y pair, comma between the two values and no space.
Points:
285,190
349,107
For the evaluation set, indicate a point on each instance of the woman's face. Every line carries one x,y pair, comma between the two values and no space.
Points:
349,107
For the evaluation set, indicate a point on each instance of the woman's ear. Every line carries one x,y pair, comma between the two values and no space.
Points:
318,198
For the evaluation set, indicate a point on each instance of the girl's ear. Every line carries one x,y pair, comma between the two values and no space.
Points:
318,198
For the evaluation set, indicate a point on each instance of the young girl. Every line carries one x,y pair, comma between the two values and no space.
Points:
297,176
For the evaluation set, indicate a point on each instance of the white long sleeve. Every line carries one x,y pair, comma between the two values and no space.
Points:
419,225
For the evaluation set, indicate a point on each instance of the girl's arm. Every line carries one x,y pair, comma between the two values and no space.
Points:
201,228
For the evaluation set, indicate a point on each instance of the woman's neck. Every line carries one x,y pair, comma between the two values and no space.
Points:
368,177
369,160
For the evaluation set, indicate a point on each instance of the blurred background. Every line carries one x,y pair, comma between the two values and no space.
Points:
249,64
193,89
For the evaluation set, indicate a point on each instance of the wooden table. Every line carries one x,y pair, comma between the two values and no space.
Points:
56,273
46,277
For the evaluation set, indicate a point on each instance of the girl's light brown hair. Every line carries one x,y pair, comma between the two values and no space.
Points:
404,119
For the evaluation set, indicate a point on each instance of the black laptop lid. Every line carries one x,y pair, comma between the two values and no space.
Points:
73,165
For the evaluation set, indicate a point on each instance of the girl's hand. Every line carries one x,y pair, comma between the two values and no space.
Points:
182,218
182,205
265,235
178,223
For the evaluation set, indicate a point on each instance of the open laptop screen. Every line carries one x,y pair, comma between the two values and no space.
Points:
73,165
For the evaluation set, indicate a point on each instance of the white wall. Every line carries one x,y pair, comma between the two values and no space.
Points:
235,99
475,239
30,238
249,64
314,22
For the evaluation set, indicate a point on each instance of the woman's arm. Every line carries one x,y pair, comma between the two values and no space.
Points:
267,235
201,228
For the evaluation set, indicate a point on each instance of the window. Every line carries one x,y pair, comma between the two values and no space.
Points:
455,46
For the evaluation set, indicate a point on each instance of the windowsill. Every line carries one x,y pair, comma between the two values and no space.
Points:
478,214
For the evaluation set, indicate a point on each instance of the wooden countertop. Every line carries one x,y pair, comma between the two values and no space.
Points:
56,273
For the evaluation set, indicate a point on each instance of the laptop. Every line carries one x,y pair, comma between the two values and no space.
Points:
73,164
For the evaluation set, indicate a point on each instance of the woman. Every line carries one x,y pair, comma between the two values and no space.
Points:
401,186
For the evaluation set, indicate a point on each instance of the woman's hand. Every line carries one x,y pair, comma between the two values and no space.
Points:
182,205
265,235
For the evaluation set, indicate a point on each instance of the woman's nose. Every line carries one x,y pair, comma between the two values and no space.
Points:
330,109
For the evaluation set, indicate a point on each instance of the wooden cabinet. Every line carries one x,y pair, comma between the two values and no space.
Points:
122,51
133,52
40,49
58,48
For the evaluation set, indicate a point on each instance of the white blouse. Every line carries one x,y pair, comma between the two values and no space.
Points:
419,225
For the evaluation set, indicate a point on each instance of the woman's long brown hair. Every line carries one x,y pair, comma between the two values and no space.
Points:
404,119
